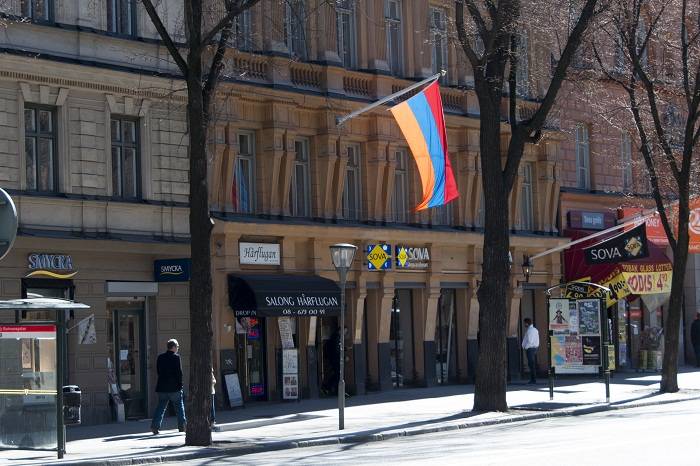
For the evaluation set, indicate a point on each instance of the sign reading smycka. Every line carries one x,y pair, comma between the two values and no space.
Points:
50,265
172,270
259,253
302,304
626,246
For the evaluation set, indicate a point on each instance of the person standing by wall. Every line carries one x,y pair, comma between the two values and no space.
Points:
695,338
214,427
169,387
531,342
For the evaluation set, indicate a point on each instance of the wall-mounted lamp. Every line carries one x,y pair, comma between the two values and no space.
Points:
527,267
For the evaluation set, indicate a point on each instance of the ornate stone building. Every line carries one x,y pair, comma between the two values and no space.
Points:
93,150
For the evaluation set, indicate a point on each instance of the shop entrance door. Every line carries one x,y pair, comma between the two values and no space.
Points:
527,311
445,338
401,339
250,346
328,349
130,354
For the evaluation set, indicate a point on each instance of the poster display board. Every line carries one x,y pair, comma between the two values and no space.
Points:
574,326
290,374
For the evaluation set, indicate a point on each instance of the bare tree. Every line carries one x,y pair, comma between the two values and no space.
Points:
208,30
489,37
651,50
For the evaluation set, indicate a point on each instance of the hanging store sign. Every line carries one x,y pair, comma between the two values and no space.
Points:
171,270
50,265
629,245
259,253
378,256
412,258
590,220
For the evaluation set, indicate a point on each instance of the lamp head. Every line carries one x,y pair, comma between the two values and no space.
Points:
342,255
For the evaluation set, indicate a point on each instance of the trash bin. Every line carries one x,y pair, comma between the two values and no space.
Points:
71,405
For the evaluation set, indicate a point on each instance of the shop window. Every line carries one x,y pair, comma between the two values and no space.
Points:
243,195
351,194
438,40
40,143
126,176
121,17
442,215
583,176
527,217
446,338
300,203
294,28
243,31
399,204
394,45
37,10
345,23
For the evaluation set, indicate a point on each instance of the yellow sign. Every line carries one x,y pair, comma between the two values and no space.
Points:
378,256
402,257
611,357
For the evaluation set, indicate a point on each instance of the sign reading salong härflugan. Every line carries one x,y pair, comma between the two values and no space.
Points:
50,265
408,257
259,253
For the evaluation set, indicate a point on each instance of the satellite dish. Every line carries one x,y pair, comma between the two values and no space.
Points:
8,223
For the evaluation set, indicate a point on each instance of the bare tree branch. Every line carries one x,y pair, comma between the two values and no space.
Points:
232,10
165,36
217,65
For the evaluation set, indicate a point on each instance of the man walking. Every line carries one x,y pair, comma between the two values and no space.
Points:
531,341
169,387
695,337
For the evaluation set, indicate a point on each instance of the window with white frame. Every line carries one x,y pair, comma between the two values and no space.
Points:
345,24
126,170
399,196
243,195
243,31
438,40
626,156
121,17
522,72
294,28
300,202
527,213
394,43
40,138
37,10
583,176
351,191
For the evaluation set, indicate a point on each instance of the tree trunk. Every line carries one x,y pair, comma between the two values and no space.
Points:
672,322
199,401
490,386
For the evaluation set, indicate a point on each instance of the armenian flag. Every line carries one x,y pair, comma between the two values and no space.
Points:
422,123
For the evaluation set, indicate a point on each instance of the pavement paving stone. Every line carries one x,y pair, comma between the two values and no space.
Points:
372,417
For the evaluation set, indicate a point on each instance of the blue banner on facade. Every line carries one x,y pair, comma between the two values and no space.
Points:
171,270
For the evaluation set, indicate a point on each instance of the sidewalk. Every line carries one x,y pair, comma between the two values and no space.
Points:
372,417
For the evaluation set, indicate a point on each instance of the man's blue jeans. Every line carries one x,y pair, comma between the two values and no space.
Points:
531,362
176,399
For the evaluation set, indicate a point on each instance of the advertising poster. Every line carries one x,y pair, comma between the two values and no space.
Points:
233,390
574,350
558,350
289,361
573,317
290,387
559,316
591,351
286,332
589,316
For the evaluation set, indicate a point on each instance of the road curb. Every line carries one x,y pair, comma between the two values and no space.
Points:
223,450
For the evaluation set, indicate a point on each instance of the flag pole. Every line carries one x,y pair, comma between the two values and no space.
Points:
339,121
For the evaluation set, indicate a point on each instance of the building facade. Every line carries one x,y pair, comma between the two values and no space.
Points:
93,142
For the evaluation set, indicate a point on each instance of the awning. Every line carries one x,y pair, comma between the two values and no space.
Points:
650,275
275,295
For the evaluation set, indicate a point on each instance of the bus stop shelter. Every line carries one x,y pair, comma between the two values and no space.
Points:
32,349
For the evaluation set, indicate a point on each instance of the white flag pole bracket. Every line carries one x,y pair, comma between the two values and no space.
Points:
339,121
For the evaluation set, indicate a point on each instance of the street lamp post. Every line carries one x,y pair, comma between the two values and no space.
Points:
342,255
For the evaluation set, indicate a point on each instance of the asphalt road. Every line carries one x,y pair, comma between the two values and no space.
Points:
657,435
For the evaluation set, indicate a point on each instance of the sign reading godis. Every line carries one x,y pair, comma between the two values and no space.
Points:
50,265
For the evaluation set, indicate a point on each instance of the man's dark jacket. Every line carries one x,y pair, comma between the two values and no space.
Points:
169,373
695,332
